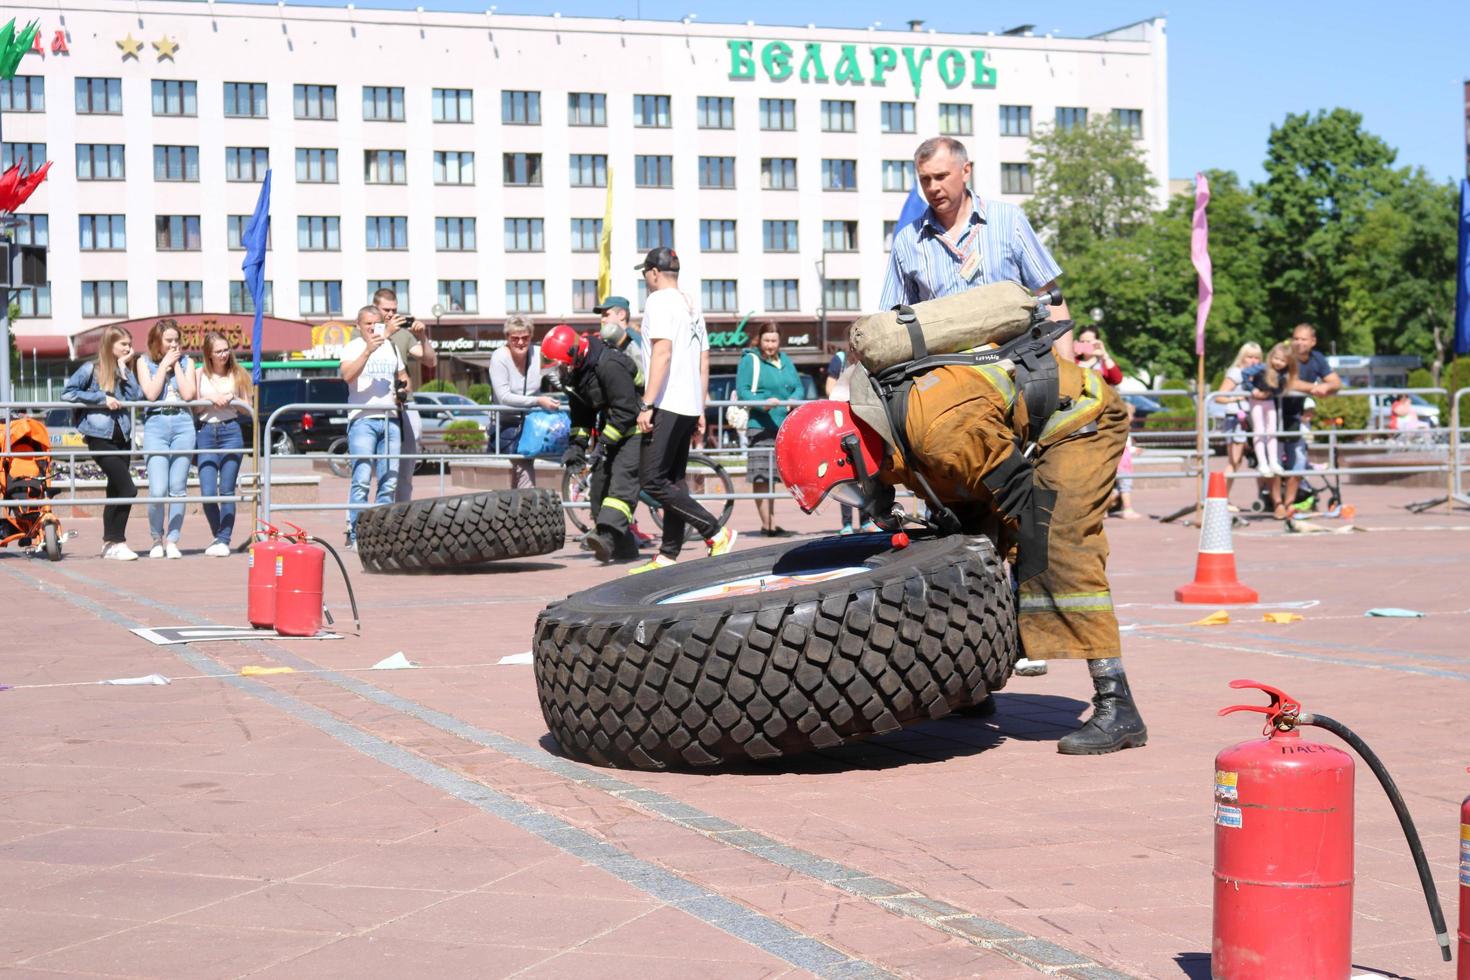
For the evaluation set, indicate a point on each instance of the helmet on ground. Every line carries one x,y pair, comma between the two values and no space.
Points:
822,449
562,344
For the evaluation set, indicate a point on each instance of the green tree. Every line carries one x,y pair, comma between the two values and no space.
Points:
1324,173
1091,184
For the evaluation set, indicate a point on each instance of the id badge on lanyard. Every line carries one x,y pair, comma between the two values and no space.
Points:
969,260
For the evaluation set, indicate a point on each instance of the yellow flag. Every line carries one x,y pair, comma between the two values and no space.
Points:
604,246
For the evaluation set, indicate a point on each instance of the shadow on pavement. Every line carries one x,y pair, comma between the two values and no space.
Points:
487,568
1195,966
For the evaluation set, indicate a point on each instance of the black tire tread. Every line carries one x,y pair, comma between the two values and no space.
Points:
445,533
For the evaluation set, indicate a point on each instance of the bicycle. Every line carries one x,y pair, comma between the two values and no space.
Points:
705,476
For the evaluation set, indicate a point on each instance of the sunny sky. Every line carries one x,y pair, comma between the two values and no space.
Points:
1235,67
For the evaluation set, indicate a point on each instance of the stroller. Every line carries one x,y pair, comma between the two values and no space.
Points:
28,478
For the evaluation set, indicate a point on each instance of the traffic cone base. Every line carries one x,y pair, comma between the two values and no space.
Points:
1215,581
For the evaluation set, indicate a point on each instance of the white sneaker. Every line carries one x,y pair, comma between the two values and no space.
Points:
218,550
117,551
1030,668
156,551
1265,470
171,550
1280,470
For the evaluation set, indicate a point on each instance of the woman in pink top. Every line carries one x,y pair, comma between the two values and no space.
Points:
221,381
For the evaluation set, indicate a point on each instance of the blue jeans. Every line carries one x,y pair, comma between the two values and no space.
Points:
168,475
218,473
372,435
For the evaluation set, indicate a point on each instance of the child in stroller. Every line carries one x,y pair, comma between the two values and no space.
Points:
28,478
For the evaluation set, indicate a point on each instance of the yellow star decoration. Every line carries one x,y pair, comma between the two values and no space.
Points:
165,48
130,47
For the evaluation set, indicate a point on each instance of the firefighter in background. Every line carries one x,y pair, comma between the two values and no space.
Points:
1039,489
603,388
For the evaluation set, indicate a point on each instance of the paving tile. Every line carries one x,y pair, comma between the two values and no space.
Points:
577,965
168,949
92,846
302,907
125,893
261,857
25,933
374,955
562,874
539,921
406,864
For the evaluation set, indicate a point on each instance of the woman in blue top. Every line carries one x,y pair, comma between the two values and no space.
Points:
167,377
108,428
765,375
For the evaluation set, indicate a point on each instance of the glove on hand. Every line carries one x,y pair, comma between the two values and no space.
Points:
595,458
575,457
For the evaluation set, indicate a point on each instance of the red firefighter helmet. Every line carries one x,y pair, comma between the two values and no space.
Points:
821,449
562,344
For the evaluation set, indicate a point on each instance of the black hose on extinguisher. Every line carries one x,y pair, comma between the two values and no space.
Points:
351,596
1416,848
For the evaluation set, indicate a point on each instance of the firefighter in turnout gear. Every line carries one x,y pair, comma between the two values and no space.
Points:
1023,451
604,388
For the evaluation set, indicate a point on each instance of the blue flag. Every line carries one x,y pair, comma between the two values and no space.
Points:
1462,275
256,236
914,207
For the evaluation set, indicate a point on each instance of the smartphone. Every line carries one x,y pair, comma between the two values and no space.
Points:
407,322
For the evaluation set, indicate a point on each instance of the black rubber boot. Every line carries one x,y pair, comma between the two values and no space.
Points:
600,543
1115,723
627,547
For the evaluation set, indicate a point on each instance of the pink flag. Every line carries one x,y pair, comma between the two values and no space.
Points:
1199,254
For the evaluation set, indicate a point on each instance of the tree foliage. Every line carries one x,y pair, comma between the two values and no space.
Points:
1091,183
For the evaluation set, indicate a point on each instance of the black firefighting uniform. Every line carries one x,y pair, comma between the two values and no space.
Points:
605,386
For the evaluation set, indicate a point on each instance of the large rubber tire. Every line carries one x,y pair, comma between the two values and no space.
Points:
439,534
625,681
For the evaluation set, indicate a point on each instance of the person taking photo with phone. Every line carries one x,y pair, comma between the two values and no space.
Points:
374,374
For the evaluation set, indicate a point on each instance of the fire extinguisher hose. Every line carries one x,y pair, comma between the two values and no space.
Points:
1416,848
351,596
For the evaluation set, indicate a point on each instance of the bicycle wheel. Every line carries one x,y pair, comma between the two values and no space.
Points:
704,476
337,459
574,491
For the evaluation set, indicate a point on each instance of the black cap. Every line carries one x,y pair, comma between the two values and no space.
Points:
661,259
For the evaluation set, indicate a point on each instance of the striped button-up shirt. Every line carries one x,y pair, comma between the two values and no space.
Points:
925,264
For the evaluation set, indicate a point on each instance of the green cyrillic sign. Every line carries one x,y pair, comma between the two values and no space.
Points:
952,66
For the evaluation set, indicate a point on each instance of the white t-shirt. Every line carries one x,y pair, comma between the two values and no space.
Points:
669,314
374,386
1221,407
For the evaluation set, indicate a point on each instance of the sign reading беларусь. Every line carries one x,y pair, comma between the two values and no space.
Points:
850,68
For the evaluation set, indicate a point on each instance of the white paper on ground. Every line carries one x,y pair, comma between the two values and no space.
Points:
516,658
396,662
152,679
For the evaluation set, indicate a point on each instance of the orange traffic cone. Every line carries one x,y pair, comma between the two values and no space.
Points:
1214,572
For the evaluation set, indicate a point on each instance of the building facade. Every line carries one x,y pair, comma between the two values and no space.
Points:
470,160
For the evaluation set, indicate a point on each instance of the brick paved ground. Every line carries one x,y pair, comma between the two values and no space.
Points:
386,823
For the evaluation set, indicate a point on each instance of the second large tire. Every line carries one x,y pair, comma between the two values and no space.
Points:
872,639
439,534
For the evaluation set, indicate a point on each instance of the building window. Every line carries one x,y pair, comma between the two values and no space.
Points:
588,170
180,296
176,232
384,167
102,232
34,302
956,119
839,175
653,171
778,113
898,175
839,116
839,236
454,105
32,229
30,156
454,234
460,295
525,296
1129,121
105,297
1015,178
778,173
175,98
584,295
321,297
717,172
524,235
518,109
1070,116
235,226
246,163
314,102
399,287
717,235
642,294
586,109
176,163
896,117
586,234
316,166
715,112
97,161
524,169
778,236
889,229
454,167
382,103
99,96
717,295
1015,120
23,93
840,294
242,302
781,295
651,111
655,233
387,232
318,233
245,99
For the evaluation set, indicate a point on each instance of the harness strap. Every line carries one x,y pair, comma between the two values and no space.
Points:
909,320
896,403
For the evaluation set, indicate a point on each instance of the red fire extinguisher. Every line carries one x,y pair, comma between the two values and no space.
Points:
260,598
1282,908
1464,970
300,568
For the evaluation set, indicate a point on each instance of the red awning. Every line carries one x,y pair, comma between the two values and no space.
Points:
278,336
41,345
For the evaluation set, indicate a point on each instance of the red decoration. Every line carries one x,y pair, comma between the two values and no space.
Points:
36,46
15,187
58,43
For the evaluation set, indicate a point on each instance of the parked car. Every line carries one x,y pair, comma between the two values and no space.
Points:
722,388
434,423
1380,411
304,430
